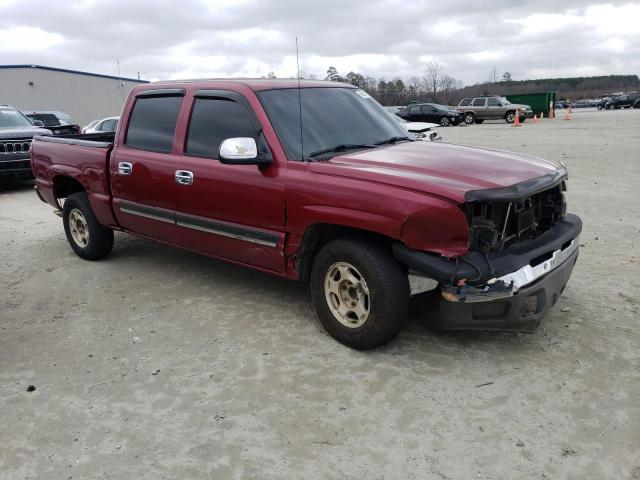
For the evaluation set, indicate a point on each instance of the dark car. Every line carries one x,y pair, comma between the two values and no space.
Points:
430,112
16,133
58,122
624,101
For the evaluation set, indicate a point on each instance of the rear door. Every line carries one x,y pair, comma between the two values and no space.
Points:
143,166
495,109
230,211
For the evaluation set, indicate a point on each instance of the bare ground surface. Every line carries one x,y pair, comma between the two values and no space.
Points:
160,364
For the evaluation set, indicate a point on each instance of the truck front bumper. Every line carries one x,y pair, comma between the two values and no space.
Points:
509,291
522,311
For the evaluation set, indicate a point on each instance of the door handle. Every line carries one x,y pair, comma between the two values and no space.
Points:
125,168
184,177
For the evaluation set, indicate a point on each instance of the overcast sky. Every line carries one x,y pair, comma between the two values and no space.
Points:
390,38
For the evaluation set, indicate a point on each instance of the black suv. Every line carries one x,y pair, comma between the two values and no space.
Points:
624,101
16,133
430,112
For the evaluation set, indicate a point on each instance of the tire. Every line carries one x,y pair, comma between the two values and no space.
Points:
509,117
479,122
599,107
444,121
374,290
612,107
87,237
469,118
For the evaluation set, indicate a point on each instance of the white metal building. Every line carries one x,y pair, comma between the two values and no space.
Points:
85,96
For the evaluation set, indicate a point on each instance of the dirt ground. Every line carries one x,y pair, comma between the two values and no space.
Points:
160,364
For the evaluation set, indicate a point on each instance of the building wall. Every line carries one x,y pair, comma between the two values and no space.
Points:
84,97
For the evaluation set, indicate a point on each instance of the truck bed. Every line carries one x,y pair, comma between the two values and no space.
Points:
56,160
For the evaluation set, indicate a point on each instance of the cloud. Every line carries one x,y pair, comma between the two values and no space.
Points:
384,38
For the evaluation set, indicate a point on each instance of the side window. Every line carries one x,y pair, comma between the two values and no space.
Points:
493,102
153,123
479,102
414,110
108,126
212,121
465,102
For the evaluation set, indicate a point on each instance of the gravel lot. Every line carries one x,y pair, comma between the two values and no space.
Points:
160,364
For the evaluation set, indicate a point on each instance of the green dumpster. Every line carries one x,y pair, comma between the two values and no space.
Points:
539,102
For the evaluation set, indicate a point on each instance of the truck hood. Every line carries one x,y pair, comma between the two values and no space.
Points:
22,132
440,169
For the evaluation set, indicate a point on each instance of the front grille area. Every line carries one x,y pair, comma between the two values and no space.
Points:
496,226
11,147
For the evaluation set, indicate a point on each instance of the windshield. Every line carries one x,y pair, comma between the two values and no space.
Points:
12,118
330,117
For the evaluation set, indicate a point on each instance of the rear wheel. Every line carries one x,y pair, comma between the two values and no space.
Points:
360,293
469,118
444,121
87,237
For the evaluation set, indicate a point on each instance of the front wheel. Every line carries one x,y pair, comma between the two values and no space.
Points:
469,118
87,237
444,121
612,107
360,293
510,117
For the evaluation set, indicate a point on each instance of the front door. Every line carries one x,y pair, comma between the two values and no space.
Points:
230,211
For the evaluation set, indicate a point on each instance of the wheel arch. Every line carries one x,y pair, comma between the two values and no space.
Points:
319,234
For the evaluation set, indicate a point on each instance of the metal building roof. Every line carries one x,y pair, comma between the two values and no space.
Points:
77,72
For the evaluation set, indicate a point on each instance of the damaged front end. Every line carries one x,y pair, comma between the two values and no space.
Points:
522,248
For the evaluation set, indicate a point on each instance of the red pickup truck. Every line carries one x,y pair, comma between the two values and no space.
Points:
317,182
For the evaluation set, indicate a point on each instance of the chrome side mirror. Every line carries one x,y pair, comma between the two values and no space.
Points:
239,148
241,151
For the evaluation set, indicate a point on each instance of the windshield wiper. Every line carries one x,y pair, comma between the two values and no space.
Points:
393,140
340,148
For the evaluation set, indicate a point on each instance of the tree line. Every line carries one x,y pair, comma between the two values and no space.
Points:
436,86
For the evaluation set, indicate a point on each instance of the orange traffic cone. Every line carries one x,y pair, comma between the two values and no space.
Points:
516,119
567,115
535,119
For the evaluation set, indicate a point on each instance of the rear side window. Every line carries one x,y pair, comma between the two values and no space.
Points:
153,123
212,121
479,102
465,102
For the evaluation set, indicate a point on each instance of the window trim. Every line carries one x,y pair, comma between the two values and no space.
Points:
226,95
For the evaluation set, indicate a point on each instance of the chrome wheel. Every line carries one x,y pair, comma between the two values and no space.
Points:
444,121
511,117
347,294
79,228
469,119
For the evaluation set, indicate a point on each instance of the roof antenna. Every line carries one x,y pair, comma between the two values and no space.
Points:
299,99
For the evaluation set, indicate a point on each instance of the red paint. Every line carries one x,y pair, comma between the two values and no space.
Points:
409,192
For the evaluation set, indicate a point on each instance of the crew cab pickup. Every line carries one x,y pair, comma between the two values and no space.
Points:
315,181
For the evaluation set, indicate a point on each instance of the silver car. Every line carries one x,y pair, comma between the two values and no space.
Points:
479,109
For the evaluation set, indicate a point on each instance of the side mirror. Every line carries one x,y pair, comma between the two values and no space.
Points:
242,151
38,123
